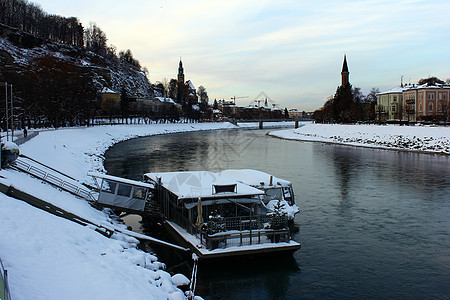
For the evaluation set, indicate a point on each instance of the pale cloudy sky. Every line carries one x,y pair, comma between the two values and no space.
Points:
291,50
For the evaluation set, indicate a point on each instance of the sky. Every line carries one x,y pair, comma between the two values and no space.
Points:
290,50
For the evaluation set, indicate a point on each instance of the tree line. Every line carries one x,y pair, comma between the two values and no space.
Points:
348,105
30,18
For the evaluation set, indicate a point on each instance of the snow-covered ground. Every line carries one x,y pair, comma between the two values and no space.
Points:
429,139
48,257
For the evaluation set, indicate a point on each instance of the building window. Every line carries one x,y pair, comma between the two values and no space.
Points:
430,106
430,96
445,96
420,97
395,98
393,108
440,96
420,107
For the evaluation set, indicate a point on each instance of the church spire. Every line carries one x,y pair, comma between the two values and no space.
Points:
344,73
180,73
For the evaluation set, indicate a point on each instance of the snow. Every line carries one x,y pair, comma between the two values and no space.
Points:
428,139
165,99
398,90
106,90
180,279
48,257
195,184
287,209
76,151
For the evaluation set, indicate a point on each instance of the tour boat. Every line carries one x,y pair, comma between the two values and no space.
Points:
228,213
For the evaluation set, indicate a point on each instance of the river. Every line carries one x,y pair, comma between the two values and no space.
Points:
373,223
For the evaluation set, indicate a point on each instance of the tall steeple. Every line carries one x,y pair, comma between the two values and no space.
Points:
180,73
344,73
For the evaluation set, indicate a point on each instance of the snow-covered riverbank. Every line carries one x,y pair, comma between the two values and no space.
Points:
426,139
48,257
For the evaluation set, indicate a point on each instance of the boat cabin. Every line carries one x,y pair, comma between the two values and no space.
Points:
122,194
274,188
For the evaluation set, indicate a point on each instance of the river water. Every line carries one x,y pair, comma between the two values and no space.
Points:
373,223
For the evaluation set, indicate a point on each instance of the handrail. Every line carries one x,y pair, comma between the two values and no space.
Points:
53,179
4,290
247,237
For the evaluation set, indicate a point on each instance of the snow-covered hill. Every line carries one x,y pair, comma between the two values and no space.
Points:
18,49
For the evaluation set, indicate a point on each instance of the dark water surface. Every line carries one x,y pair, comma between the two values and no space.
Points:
373,223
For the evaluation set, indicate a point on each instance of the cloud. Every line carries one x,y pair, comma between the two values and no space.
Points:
292,50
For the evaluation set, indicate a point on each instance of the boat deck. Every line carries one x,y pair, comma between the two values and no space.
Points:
263,247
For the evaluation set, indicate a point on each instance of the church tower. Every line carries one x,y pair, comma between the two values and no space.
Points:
344,73
180,74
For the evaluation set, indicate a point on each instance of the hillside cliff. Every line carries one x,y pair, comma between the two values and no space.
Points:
18,49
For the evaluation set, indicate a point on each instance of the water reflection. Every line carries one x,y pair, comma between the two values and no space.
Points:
266,278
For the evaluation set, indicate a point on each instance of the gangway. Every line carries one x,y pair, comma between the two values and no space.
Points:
52,176
114,192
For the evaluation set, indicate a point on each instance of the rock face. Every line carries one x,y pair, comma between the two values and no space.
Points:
18,49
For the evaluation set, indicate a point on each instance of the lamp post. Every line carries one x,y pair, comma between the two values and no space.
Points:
7,112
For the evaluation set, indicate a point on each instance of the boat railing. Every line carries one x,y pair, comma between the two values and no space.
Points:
245,238
254,222
238,231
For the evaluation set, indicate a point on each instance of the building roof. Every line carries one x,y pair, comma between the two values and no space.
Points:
190,84
426,86
395,90
107,90
165,99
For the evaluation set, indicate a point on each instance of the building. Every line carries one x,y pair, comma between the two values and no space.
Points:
191,92
345,73
390,104
426,102
186,90
295,114
110,101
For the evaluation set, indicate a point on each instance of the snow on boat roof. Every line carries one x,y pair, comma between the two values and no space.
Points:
195,184
121,180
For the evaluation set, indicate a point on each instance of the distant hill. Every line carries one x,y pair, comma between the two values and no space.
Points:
18,49
58,83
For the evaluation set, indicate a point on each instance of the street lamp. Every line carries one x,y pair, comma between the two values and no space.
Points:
7,110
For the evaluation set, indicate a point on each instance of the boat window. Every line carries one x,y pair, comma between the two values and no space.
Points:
230,188
272,194
124,190
288,194
139,192
109,186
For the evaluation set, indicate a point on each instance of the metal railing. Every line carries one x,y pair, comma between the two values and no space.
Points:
53,179
255,222
238,231
247,237
4,287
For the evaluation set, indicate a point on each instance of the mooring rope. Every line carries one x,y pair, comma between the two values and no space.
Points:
193,277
